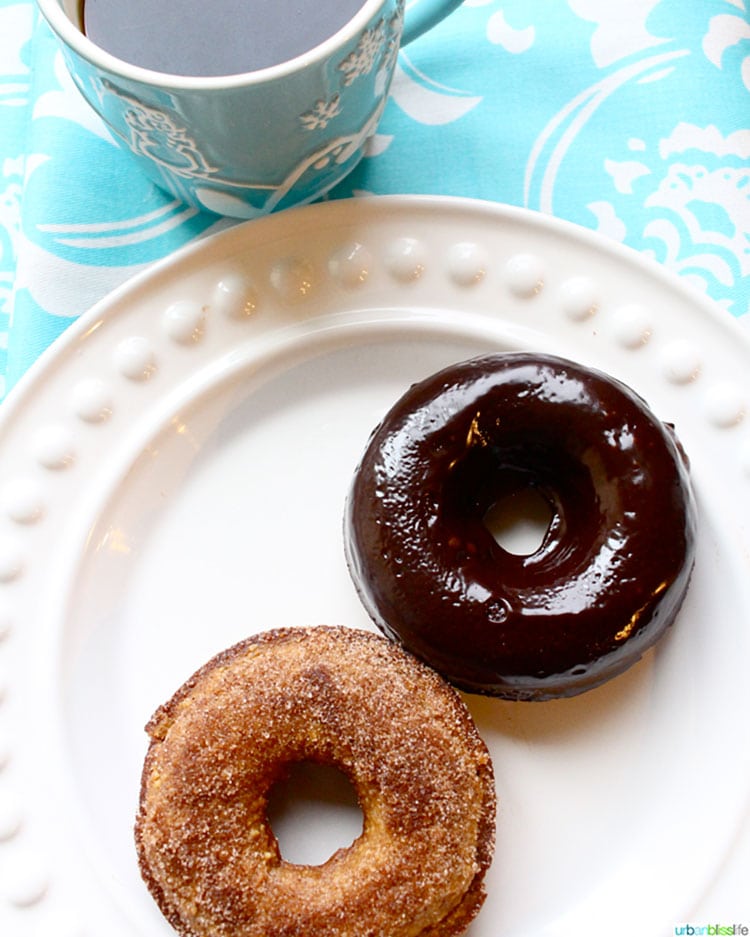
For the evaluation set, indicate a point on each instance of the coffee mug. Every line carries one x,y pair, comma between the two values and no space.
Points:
248,144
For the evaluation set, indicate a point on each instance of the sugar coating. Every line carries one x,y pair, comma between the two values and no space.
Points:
335,696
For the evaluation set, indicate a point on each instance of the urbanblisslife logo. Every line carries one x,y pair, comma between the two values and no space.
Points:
693,930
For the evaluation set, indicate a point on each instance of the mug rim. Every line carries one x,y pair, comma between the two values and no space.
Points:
76,40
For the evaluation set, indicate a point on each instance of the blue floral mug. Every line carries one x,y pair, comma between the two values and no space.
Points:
245,145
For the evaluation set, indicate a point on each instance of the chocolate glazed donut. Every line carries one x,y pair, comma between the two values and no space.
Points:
615,562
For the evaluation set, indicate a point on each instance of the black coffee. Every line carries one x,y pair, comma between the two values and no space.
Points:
212,37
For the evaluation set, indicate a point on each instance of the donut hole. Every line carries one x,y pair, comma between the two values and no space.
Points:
313,812
519,521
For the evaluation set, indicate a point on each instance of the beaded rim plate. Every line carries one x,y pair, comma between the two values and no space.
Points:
172,476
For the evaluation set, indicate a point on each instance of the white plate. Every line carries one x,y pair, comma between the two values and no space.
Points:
172,476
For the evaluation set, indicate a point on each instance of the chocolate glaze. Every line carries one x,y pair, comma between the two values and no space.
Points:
615,562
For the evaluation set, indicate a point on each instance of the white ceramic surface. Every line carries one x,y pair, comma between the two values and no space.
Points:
172,477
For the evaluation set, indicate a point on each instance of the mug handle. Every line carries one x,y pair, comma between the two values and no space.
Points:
423,15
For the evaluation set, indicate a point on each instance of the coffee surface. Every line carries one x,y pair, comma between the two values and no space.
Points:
212,37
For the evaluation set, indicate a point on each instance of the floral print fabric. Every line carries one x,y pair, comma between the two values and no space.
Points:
631,119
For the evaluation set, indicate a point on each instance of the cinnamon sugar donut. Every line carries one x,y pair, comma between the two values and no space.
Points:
612,570
334,696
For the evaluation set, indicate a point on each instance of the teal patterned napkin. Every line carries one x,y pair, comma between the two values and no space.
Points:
632,119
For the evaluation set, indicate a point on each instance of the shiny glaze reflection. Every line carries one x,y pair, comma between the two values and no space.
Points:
612,570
